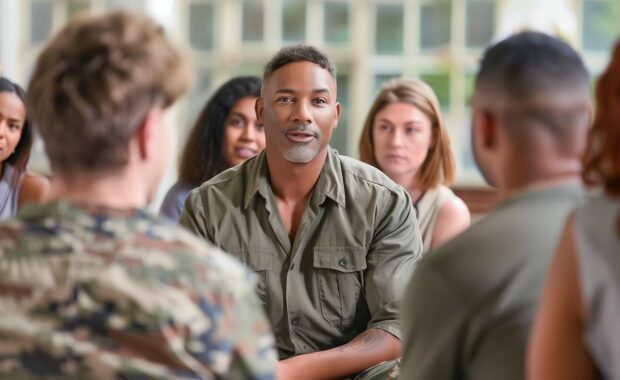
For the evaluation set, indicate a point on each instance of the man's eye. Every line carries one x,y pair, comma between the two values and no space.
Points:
285,99
320,101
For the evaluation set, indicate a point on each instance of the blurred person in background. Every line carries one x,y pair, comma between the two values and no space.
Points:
91,285
469,306
17,186
405,137
225,135
576,332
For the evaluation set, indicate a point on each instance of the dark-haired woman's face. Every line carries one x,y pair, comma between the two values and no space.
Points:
243,137
12,119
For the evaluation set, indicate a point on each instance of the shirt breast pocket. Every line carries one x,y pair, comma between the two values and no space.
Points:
339,275
260,261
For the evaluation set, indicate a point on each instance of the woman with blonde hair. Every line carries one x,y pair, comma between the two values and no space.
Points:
405,137
575,335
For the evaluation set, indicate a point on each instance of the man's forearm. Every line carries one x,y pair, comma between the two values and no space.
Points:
371,347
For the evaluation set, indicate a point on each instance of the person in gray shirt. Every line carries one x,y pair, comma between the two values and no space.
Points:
576,333
469,305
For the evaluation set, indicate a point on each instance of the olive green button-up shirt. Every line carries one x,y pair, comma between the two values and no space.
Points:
347,266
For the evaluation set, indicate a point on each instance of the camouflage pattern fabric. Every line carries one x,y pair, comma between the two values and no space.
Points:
94,293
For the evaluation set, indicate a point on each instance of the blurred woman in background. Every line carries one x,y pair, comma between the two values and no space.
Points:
225,135
576,333
17,187
405,137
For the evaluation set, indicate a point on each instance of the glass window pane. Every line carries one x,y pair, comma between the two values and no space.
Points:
435,21
340,135
440,82
336,28
600,23
480,22
467,156
255,69
470,81
201,26
389,29
135,5
294,20
380,79
77,6
199,93
253,21
41,13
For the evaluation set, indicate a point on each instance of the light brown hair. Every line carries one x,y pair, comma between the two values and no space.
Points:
602,155
438,167
95,82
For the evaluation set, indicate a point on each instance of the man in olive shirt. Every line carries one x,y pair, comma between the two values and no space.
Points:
333,240
468,309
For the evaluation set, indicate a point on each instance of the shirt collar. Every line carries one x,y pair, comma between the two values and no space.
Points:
256,175
330,183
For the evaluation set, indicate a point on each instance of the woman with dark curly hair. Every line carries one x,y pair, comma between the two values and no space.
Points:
16,186
225,135
576,334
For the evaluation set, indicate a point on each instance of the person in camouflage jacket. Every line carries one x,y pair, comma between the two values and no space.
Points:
92,286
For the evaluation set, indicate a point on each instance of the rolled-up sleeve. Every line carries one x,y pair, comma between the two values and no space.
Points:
395,247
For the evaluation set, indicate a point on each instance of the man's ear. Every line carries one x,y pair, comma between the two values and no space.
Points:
258,108
337,114
486,126
146,132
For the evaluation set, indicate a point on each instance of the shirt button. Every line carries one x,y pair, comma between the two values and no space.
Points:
342,263
295,321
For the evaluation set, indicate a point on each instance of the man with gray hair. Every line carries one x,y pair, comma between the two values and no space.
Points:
331,239
469,306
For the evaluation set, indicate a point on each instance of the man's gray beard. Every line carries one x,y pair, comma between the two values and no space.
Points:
301,154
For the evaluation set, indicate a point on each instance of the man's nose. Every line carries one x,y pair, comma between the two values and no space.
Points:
302,113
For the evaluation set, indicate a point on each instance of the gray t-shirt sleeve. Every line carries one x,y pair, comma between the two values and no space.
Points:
172,206
432,316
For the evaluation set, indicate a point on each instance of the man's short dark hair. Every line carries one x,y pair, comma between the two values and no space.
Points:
531,73
531,63
299,53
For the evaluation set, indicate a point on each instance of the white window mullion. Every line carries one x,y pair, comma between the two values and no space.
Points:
314,23
362,32
11,33
411,50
